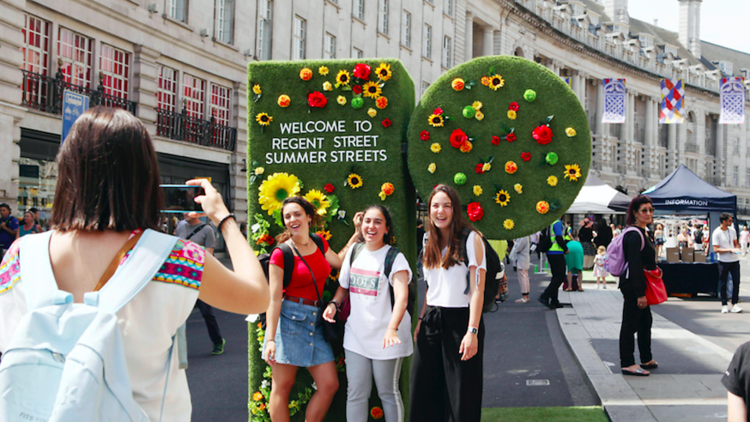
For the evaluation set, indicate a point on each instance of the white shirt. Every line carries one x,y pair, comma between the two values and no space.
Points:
370,301
724,239
521,248
446,287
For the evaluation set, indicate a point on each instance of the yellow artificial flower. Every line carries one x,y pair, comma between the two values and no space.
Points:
496,82
319,200
372,112
263,119
509,224
257,396
341,99
486,167
432,167
485,81
325,234
259,170
518,187
435,148
284,100
256,89
436,120
570,132
502,197
354,181
371,89
573,172
327,86
512,115
274,190
479,115
342,78
477,190
552,180
477,105
384,72
323,70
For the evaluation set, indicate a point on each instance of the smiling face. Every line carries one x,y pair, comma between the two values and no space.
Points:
295,218
441,211
374,227
28,218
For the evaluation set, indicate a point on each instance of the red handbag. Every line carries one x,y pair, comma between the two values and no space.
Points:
656,291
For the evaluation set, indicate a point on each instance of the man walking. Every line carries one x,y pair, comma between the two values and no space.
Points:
556,259
198,232
724,240
8,228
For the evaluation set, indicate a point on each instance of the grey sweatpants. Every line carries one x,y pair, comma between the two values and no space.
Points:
359,373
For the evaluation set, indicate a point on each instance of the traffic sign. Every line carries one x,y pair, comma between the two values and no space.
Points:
74,104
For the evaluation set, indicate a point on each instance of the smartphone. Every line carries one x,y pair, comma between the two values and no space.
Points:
181,198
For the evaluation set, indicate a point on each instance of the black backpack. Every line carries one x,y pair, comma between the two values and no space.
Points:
286,250
390,258
494,274
699,236
545,241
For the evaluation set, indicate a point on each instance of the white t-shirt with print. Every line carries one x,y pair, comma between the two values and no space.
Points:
446,287
725,240
370,301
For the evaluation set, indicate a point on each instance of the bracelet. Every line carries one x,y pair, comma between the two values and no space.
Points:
335,303
228,216
421,318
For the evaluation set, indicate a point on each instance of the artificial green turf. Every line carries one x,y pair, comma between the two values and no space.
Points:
553,98
533,414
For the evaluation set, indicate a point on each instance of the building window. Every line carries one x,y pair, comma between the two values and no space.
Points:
75,51
300,32
177,9
330,52
114,64
448,7
220,104
747,178
357,53
425,87
225,21
194,96
736,146
736,175
264,30
166,96
383,17
447,52
358,9
36,43
406,29
427,35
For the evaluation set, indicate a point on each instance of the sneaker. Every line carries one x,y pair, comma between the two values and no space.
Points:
736,309
605,287
219,347
724,309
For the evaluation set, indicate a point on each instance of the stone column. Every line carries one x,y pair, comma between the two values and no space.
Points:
238,178
576,82
146,84
468,52
488,41
649,129
602,129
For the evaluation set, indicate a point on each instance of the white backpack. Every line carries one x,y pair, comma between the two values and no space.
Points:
65,360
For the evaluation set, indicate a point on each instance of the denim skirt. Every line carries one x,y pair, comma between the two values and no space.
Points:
299,338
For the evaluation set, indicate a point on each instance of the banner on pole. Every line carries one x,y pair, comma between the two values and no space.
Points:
672,101
568,81
614,101
732,101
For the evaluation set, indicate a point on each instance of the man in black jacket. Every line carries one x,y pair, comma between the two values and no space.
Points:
556,258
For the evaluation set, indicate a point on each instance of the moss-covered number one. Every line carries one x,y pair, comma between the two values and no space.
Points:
331,131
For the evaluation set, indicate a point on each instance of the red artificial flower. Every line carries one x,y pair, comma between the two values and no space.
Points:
376,413
387,188
438,111
542,134
424,135
329,188
457,138
357,89
513,106
510,137
387,122
361,71
475,211
495,140
478,169
316,99
526,156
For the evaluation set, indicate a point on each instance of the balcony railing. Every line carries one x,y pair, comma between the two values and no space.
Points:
183,127
45,93
691,147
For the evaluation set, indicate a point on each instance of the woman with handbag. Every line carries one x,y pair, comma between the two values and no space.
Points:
377,335
295,332
640,255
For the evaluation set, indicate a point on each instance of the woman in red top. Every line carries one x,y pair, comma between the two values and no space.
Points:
293,336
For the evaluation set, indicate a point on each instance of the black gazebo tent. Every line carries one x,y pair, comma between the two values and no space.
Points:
684,193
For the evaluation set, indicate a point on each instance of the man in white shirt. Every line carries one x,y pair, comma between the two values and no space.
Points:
724,241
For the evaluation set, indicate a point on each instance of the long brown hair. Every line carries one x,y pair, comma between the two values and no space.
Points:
432,256
309,210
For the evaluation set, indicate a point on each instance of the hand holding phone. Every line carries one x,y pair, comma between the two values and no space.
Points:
210,200
181,198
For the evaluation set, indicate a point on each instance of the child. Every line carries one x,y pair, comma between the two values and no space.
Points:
599,271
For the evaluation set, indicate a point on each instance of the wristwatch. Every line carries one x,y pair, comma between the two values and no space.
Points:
473,330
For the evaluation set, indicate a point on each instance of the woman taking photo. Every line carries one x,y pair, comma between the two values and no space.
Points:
446,378
636,313
294,335
377,335
107,194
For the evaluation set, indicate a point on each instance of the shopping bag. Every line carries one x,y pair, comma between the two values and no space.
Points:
656,291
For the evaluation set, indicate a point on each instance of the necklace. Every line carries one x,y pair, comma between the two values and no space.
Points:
301,244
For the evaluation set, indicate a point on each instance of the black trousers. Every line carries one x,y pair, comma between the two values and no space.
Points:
635,320
725,269
213,326
557,265
443,387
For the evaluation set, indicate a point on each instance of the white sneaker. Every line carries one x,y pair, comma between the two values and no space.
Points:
736,309
724,309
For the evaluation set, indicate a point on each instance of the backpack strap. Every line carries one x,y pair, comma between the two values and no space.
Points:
286,252
197,229
631,229
318,241
39,285
356,249
390,258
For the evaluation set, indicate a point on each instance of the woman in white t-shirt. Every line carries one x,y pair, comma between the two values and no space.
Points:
446,377
377,335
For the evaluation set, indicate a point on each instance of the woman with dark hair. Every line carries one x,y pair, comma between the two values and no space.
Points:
377,334
603,233
636,313
107,196
446,378
294,337
586,237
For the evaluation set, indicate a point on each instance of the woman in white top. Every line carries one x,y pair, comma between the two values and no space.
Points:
377,335
446,377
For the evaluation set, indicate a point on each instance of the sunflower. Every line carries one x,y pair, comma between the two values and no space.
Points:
384,72
275,189
263,119
477,190
371,90
319,200
509,224
432,167
502,197
435,148
552,180
436,120
573,172
342,78
496,82
354,181
256,89
325,234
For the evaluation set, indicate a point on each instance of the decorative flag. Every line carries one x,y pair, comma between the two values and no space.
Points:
614,101
732,101
672,101
568,81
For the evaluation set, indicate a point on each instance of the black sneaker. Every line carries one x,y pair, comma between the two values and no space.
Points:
219,347
544,301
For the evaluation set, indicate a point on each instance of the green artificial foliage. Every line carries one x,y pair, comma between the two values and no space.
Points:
353,147
493,137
